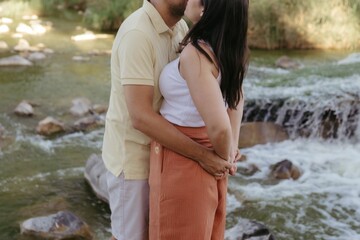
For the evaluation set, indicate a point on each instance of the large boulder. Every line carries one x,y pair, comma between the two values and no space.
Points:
253,133
95,175
62,225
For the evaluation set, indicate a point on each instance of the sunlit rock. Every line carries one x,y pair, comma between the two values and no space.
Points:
89,36
88,123
62,225
84,37
6,20
17,35
99,109
50,126
15,61
4,28
38,28
284,169
32,17
36,56
24,109
80,58
24,28
97,52
95,175
3,46
253,133
287,63
81,106
48,51
23,45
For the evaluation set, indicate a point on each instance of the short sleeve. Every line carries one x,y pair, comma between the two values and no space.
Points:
136,59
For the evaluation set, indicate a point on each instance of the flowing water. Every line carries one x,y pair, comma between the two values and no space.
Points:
41,175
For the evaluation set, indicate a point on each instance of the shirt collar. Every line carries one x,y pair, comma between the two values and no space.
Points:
156,19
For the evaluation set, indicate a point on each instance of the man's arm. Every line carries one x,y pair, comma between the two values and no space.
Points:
139,100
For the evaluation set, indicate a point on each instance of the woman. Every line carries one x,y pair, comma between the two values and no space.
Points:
203,98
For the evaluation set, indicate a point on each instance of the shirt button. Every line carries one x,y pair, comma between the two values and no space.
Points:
157,150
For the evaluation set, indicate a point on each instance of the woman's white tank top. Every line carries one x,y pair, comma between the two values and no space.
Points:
178,106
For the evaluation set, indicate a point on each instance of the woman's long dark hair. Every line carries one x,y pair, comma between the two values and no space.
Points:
224,26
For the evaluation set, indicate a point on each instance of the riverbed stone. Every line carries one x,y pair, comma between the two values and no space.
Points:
24,109
285,169
253,133
50,126
99,109
36,56
15,60
62,225
88,123
287,63
80,106
95,175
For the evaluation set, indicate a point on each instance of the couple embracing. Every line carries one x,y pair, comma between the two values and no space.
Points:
173,123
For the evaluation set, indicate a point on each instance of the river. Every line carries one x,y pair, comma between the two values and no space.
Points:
40,175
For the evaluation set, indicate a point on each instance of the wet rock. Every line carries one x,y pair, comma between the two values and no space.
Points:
287,63
243,158
95,175
253,133
250,170
252,230
50,126
36,56
62,225
88,123
81,106
15,61
284,169
24,109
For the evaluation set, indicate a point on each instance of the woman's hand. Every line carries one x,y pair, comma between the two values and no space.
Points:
234,157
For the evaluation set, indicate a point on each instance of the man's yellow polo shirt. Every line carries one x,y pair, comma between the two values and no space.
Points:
143,45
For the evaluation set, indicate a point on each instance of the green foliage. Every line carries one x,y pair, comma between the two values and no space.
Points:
108,14
305,24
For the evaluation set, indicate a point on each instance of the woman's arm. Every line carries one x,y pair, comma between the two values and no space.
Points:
200,75
235,117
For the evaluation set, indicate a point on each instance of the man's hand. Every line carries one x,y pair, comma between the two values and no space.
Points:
215,165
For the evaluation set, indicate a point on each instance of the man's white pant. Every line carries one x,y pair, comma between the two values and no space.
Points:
129,204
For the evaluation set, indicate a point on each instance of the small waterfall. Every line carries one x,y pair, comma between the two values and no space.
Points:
329,119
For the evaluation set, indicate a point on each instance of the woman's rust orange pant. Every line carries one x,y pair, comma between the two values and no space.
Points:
186,203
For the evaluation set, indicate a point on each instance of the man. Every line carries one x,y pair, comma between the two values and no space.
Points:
146,41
